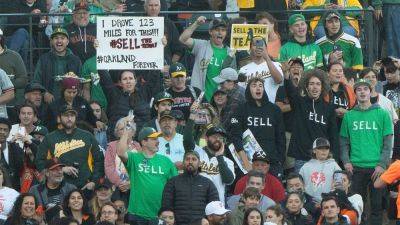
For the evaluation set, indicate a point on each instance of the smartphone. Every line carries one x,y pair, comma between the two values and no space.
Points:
338,179
259,43
337,48
22,131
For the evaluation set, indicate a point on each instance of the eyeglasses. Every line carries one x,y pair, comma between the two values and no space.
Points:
168,149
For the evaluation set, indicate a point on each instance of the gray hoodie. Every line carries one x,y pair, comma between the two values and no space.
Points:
318,176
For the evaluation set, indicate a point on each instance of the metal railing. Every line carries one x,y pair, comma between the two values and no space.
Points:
368,30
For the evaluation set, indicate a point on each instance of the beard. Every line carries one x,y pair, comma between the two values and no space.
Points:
68,125
215,145
190,169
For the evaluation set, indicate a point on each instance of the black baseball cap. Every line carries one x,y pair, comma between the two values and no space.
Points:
53,163
67,108
34,86
260,156
298,61
215,23
103,183
166,113
215,130
321,143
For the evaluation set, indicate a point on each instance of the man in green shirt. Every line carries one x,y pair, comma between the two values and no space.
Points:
337,45
148,173
299,46
366,140
210,55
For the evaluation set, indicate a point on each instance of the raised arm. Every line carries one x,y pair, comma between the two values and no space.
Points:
186,36
122,144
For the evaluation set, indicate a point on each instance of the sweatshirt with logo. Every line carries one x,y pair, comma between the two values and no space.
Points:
78,149
312,119
266,124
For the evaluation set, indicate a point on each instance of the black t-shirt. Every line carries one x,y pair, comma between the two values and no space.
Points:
339,100
390,86
53,197
183,100
287,116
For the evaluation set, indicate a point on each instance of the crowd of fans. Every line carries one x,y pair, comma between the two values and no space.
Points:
86,146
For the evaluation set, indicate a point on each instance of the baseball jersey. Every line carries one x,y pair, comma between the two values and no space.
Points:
350,46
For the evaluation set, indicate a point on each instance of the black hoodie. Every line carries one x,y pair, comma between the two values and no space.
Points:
266,124
81,40
312,119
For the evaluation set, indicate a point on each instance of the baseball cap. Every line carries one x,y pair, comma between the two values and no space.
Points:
148,132
103,183
260,156
294,18
42,130
221,91
33,86
163,96
362,82
67,108
59,30
177,69
321,143
53,163
297,60
226,74
178,114
167,113
215,23
332,15
215,130
191,153
216,208
81,5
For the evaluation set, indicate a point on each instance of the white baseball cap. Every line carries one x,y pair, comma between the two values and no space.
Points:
216,208
226,74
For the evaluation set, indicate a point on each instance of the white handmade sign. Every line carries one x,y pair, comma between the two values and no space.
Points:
130,43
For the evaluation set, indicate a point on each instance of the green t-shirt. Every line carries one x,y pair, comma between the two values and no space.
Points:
366,130
310,53
214,68
351,50
96,92
148,177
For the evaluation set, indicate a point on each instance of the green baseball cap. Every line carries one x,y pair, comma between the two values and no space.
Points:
148,132
59,30
177,69
163,96
296,17
362,82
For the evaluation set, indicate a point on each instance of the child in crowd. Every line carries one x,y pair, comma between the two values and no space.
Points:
318,171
